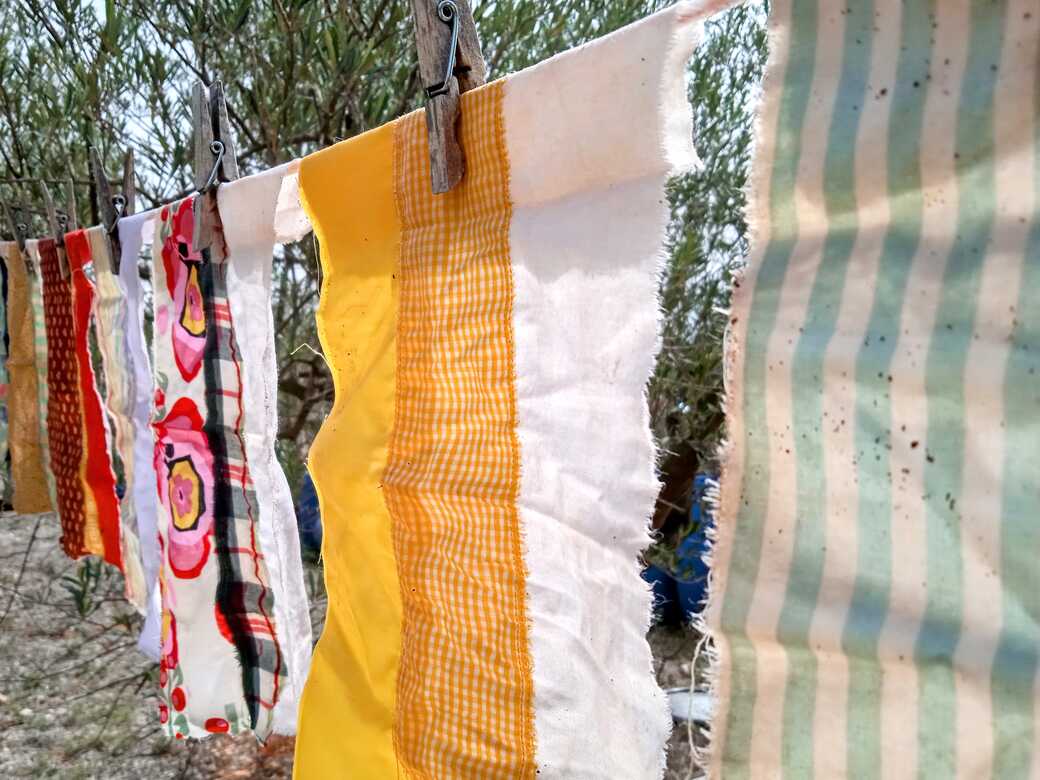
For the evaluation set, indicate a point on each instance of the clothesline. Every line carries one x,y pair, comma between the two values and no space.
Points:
487,471
204,529
450,61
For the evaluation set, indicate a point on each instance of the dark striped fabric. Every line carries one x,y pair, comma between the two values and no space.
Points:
245,600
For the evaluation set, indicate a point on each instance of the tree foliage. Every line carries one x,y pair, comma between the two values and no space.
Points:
707,244
303,74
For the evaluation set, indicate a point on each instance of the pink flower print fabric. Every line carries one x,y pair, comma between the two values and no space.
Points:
182,285
221,666
184,466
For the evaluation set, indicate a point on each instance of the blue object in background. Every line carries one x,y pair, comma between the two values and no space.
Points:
308,515
666,595
692,579
680,594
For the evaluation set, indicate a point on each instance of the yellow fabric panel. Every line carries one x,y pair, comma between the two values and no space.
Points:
23,409
465,700
348,705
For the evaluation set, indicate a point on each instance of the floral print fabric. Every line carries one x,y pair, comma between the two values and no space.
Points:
221,667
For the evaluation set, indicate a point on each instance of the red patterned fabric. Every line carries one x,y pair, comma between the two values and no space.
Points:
64,419
97,472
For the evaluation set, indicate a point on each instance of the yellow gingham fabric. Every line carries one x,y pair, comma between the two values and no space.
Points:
464,694
486,615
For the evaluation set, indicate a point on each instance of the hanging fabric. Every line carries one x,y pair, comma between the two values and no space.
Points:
6,256
876,569
39,325
80,534
247,208
142,481
109,314
487,472
23,424
96,474
222,669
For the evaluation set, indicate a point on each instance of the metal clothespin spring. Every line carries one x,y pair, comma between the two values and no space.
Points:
119,205
448,13
218,150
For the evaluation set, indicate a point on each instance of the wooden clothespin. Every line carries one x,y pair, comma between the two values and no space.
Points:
129,185
58,223
215,159
113,205
72,221
18,219
450,63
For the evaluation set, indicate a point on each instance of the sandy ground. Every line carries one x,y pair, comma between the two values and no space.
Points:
77,700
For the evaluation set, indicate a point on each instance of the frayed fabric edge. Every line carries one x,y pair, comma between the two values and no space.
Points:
678,147
723,496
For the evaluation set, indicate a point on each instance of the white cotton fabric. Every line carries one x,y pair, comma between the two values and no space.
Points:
291,222
133,231
592,136
247,211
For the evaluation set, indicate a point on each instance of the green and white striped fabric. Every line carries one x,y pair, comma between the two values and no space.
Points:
877,588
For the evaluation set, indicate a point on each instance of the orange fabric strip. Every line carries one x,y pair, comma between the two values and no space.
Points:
464,690
99,481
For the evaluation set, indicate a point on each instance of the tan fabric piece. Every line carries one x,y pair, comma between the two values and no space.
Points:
27,474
